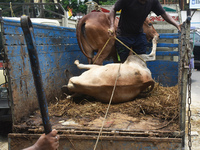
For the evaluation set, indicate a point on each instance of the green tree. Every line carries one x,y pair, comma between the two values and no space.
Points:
6,6
81,7
105,2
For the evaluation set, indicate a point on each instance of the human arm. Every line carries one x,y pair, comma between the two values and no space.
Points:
170,20
46,142
112,22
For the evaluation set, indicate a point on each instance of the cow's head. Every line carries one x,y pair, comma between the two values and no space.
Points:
149,30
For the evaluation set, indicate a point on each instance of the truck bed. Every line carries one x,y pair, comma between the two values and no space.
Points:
150,121
157,110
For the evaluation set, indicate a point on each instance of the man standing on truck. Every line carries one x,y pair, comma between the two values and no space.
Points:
133,15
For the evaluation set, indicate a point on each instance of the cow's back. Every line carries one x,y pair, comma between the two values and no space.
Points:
92,35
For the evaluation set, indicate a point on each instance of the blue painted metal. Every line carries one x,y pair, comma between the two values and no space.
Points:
164,45
165,72
35,67
167,45
167,53
168,36
57,50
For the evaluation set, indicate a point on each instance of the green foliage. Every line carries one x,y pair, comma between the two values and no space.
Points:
81,7
6,10
109,2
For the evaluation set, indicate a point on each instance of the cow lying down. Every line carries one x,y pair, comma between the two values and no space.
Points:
98,81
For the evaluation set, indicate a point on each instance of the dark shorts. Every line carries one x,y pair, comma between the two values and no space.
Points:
138,43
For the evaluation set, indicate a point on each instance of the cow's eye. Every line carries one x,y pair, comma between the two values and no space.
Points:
150,24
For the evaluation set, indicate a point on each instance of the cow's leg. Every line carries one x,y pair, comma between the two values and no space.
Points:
104,52
83,66
147,87
153,52
69,95
152,55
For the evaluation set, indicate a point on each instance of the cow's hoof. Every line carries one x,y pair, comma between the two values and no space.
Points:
69,97
65,89
76,62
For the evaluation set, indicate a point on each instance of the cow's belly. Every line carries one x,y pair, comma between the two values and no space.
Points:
104,93
121,94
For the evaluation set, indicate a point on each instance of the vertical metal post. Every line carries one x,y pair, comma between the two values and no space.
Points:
183,74
28,33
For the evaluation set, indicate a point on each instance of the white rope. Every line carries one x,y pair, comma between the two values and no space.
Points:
100,132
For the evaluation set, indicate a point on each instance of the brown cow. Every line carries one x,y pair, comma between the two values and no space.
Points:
92,34
98,81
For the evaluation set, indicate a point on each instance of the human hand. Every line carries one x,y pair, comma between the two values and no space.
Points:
46,142
111,31
179,27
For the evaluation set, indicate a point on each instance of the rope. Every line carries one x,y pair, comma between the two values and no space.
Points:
130,49
118,75
102,50
122,44
12,13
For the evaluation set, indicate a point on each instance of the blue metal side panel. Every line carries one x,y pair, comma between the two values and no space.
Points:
167,53
164,45
164,72
57,50
168,35
167,45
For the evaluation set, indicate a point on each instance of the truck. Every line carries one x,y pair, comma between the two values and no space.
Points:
57,49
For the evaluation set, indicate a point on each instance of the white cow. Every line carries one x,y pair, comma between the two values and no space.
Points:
98,82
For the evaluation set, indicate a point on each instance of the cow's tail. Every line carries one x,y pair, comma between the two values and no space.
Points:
80,31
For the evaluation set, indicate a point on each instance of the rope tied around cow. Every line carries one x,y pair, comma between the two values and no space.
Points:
119,42
106,114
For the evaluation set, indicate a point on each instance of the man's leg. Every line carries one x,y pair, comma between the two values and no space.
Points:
140,44
121,49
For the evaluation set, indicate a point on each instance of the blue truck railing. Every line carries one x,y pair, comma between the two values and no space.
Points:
165,71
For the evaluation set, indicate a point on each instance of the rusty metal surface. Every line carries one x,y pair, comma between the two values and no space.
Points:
87,142
57,49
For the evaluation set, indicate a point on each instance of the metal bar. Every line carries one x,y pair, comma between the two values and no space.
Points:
185,35
86,142
50,11
35,5
28,33
164,45
167,45
168,53
168,36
